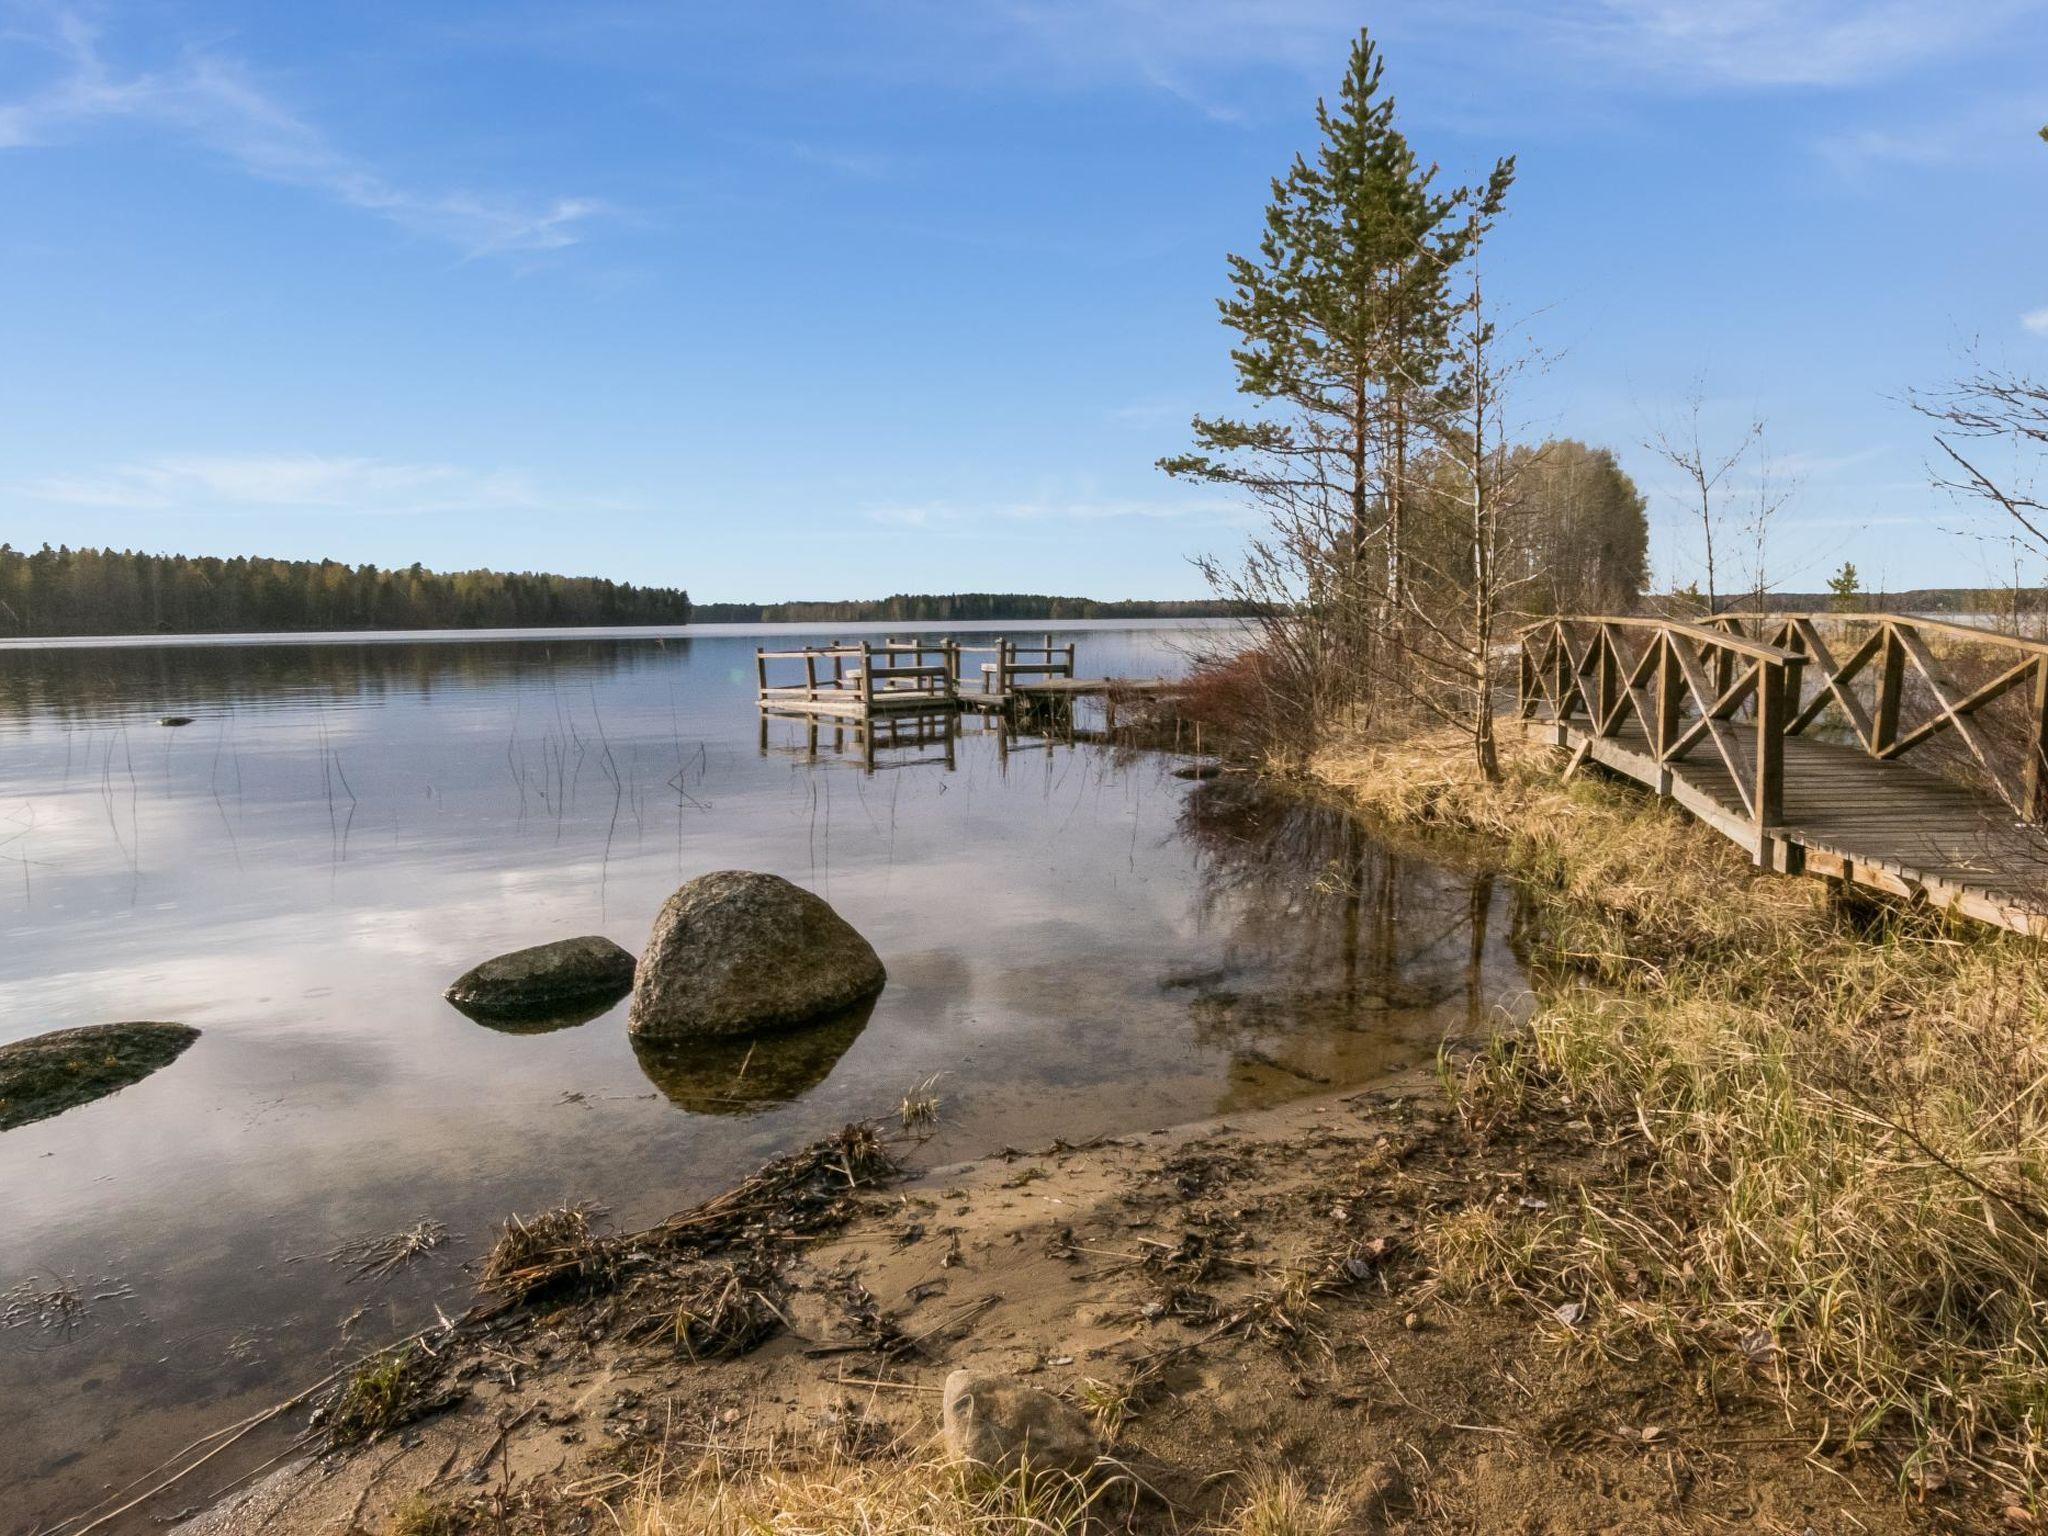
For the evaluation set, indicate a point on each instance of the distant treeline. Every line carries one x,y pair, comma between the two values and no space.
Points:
958,608
1996,601
122,592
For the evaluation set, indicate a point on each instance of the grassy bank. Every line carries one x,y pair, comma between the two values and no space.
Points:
1834,1119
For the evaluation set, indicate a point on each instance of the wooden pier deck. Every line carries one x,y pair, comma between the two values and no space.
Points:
868,681
1794,745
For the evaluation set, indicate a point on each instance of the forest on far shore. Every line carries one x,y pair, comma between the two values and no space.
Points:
63,591
125,592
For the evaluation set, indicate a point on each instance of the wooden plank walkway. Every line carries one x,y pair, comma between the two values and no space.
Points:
1663,704
871,681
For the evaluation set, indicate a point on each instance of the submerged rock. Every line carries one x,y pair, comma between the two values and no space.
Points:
175,720
46,1074
545,979
735,952
998,1424
1200,771
743,1076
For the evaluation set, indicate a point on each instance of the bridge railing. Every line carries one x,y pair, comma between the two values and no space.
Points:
1898,684
1972,701
1683,684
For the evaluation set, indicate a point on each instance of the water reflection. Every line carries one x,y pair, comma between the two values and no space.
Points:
743,1077
1340,944
94,682
539,1021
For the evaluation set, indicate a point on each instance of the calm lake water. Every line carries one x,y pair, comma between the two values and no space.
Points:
1077,943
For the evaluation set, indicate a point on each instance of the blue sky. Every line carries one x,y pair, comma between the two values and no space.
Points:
833,299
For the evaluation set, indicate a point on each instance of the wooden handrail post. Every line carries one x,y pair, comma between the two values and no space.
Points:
1525,682
1607,684
760,672
2034,799
867,690
810,674
1770,752
1567,683
1670,708
1891,681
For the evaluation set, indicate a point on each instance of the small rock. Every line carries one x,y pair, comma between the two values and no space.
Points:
175,720
997,1424
1199,771
46,1074
545,977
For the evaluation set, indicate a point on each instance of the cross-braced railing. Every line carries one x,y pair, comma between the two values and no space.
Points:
1930,680
1684,684
1888,680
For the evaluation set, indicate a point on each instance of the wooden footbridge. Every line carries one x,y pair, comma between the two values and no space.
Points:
897,692
1790,734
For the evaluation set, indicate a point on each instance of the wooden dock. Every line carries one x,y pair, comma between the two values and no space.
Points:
1788,733
869,680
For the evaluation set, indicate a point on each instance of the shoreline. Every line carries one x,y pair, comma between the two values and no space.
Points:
1145,1264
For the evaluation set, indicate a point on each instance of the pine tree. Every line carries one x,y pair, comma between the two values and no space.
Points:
1846,589
1343,320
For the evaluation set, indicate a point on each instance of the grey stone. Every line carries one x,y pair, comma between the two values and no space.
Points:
46,1074
736,953
544,977
997,1424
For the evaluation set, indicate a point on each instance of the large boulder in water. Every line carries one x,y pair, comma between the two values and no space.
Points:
735,952
45,1074
544,980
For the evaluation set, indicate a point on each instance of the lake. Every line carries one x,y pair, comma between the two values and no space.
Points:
1077,943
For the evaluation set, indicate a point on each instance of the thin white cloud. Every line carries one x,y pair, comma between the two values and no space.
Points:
216,103
1989,128
2036,320
286,483
1786,42
1184,48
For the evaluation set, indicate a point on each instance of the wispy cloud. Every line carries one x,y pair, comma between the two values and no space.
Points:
859,164
216,102
1989,128
1187,48
1785,42
2036,320
286,483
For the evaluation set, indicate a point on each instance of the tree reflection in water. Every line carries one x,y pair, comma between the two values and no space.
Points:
1342,957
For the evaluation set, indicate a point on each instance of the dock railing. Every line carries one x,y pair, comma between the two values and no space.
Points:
1686,682
899,672
1014,663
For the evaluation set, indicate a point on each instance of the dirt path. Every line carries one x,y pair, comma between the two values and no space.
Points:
1236,1294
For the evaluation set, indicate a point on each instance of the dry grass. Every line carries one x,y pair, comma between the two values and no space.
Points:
376,1257
1838,1126
726,1310
766,1494
882,1496
1279,1503
541,1252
